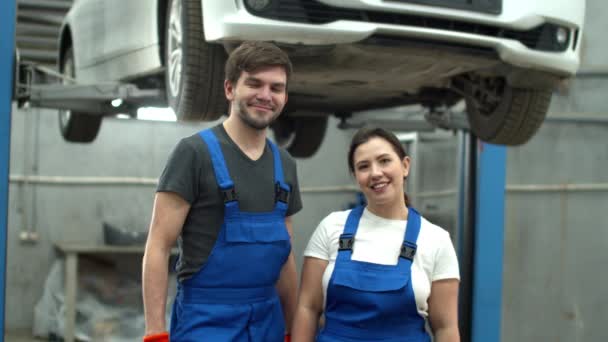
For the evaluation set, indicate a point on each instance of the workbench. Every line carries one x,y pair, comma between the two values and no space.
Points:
72,252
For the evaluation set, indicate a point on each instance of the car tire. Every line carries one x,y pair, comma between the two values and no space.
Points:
512,118
80,127
194,69
300,136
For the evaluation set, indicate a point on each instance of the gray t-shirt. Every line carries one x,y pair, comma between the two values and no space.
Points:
189,173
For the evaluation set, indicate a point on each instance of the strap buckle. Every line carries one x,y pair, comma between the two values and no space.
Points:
408,250
346,242
281,194
230,195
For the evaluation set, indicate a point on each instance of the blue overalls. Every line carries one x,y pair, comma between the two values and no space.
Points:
373,302
233,296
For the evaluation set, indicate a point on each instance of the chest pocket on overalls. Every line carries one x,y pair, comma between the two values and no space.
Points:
377,279
250,229
370,277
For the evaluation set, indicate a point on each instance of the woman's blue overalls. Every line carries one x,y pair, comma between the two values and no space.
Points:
373,302
233,297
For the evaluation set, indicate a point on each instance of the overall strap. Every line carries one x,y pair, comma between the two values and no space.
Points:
408,249
282,189
222,176
347,239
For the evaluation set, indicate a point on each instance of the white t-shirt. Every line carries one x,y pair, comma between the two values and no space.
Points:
378,240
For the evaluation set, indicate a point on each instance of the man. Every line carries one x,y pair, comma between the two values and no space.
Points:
227,195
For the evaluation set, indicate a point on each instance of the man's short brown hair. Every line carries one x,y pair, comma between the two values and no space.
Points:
253,55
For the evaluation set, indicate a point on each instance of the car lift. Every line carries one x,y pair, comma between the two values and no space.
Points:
34,89
482,189
481,238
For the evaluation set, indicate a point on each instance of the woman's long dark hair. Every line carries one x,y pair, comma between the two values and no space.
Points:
366,133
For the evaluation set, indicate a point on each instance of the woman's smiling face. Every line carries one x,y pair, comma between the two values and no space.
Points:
380,172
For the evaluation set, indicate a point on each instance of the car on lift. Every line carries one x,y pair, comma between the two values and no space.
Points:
503,58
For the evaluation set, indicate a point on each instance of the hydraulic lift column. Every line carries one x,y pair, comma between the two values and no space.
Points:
481,239
7,48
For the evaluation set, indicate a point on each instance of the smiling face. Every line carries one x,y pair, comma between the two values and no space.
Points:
380,173
258,97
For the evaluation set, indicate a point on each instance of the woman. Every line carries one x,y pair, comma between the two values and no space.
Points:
380,272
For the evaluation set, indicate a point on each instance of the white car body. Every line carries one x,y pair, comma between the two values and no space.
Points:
99,56
502,56
227,21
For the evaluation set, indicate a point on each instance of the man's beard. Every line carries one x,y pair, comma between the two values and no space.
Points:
251,121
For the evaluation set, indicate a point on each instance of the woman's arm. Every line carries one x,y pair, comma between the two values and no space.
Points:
310,301
443,310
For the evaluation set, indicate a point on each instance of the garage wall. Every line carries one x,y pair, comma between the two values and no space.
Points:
60,212
556,231
556,241
74,213
435,164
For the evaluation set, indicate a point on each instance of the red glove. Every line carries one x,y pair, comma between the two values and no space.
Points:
287,338
160,337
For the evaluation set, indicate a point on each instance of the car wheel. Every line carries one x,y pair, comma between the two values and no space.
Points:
76,126
300,136
194,69
501,114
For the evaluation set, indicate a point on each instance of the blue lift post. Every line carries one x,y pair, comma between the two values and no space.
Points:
7,48
480,238
488,243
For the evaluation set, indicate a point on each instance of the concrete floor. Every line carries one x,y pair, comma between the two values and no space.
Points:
20,336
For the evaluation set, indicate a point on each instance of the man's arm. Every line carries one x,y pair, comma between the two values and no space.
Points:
287,285
168,216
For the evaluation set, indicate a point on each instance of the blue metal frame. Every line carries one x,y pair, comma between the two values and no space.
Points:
488,243
7,46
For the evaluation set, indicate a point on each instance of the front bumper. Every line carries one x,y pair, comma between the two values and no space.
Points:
518,36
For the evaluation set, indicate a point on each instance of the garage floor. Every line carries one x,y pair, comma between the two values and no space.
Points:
20,336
